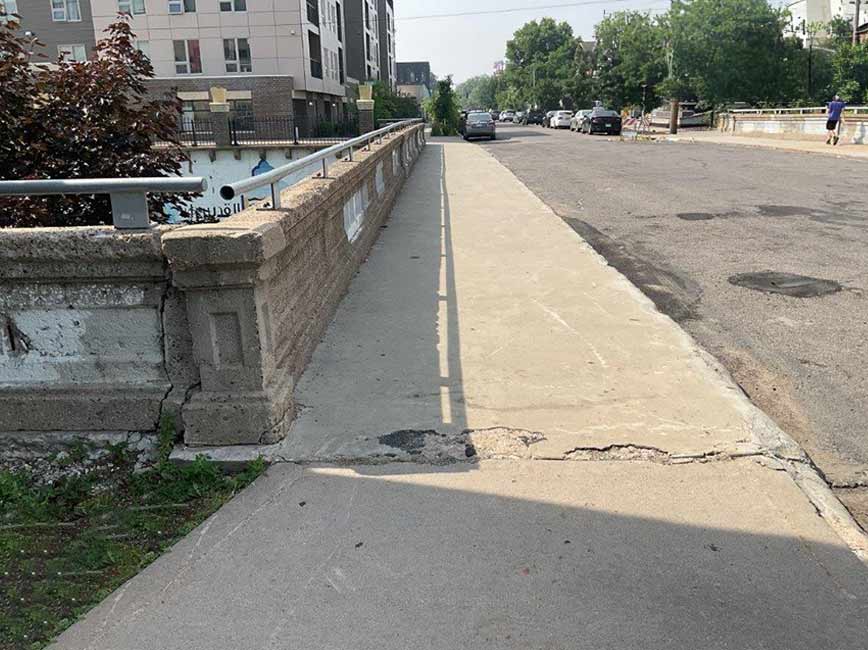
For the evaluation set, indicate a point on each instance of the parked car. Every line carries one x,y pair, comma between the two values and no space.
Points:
576,121
533,117
519,116
561,119
547,120
495,115
601,120
507,116
479,125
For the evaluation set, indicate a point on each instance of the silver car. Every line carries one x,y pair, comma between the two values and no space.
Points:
479,125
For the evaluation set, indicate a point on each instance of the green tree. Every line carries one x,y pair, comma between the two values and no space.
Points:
630,53
728,50
389,105
443,108
540,64
850,72
478,92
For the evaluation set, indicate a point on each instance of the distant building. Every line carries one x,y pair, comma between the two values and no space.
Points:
804,13
499,67
415,80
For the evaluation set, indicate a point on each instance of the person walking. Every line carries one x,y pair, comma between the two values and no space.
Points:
833,119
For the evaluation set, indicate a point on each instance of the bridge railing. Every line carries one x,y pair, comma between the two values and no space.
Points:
129,196
803,110
275,176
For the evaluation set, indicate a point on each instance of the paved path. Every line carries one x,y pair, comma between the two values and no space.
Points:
609,486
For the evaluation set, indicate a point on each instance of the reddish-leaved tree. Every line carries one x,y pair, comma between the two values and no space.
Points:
91,119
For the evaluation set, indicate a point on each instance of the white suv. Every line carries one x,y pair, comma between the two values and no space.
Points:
561,119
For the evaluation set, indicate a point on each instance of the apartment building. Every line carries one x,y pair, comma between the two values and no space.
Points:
274,57
388,66
363,39
63,27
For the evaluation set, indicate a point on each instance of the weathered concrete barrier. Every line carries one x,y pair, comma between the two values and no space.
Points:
105,331
798,124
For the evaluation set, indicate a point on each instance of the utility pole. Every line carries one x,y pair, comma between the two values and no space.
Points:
855,22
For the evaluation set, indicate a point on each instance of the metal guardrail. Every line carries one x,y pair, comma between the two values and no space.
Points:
129,196
273,177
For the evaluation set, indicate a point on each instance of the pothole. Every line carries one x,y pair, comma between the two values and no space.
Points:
696,216
787,284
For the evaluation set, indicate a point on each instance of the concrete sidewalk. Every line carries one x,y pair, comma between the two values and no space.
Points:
583,475
842,149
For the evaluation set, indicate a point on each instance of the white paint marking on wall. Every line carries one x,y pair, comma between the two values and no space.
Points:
354,214
379,180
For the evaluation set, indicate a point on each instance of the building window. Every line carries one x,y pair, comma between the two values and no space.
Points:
65,11
72,52
340,14
131,6
144,47
315,48
188,60
342,77
233,5
182,6
7,8
313,12
236,53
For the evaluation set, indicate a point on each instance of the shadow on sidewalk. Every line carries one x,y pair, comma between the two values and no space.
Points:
623,556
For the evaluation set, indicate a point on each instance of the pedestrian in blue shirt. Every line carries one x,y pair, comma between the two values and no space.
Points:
833,119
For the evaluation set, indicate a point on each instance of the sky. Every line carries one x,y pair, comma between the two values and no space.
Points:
466,46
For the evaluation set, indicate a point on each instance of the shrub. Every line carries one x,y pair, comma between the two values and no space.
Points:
88,119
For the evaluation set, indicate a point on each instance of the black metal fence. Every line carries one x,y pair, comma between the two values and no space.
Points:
246,129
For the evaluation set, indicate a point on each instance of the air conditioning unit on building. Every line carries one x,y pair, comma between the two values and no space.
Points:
176,6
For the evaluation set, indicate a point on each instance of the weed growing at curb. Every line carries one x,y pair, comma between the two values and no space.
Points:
65,546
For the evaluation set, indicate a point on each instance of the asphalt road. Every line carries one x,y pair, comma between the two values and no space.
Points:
681,219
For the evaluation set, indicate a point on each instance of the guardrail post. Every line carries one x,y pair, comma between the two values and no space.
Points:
129,210
325,168
275,196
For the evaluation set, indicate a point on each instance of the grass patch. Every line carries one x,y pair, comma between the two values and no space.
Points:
65,546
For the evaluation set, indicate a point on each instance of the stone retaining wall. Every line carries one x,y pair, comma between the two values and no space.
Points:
798,127
108,331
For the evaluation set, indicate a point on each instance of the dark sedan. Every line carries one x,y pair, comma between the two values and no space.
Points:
533,117
479,125
601,120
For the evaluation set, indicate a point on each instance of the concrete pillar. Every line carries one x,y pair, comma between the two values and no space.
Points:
219,108
366,115
245,396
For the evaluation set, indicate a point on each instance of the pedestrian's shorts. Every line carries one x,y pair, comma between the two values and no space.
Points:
831,125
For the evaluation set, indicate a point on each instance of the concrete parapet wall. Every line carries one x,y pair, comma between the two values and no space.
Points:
107,331
84,317
800,127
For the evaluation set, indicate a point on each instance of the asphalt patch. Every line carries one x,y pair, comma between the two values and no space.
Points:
674,294
410,440
787,284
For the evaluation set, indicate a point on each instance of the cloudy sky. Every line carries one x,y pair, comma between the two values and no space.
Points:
468,45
